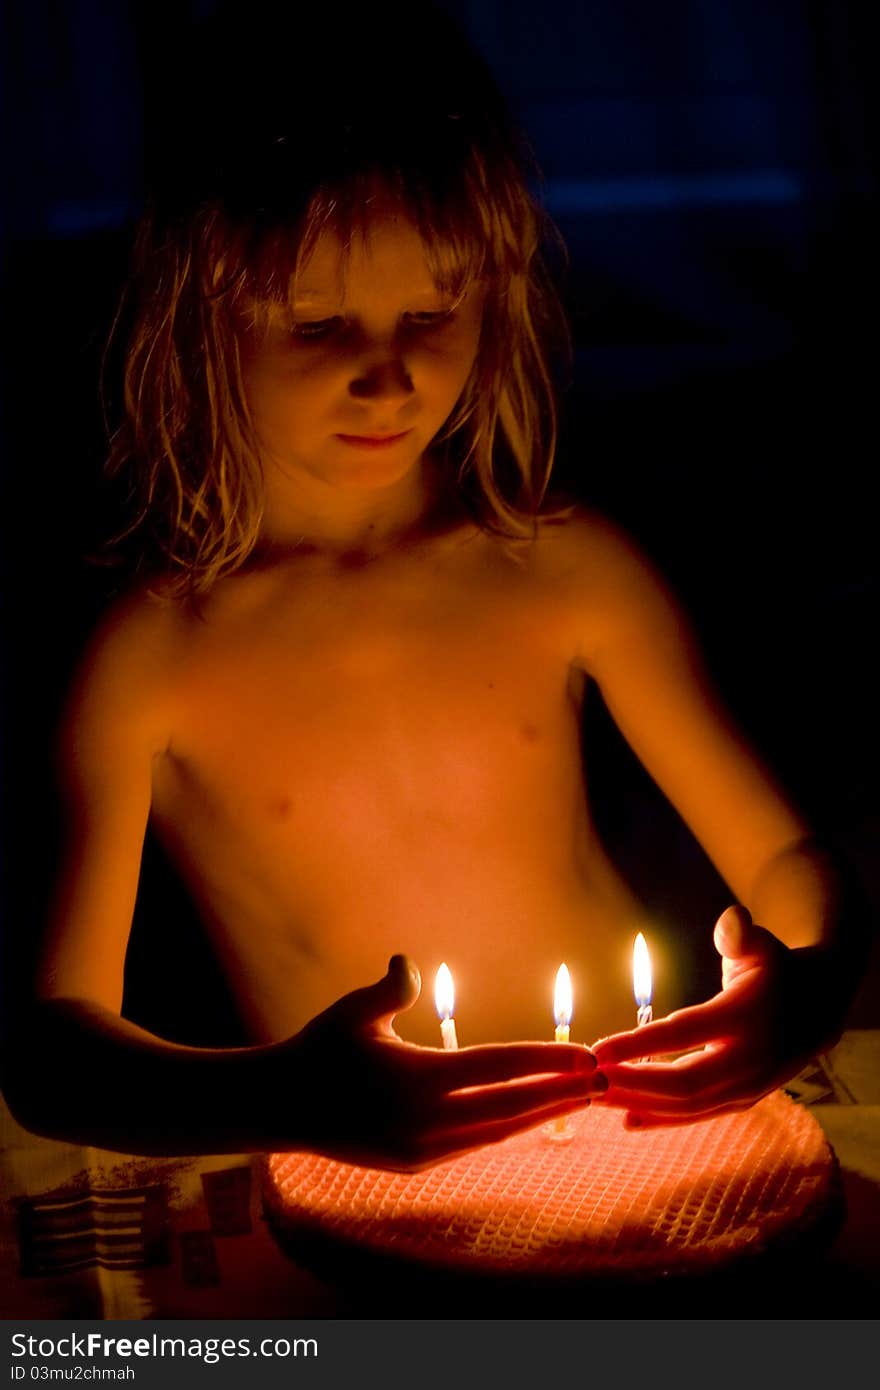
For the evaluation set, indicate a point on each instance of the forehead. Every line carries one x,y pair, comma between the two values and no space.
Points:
384,255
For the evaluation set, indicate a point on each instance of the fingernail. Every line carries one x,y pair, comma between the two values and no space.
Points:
399,964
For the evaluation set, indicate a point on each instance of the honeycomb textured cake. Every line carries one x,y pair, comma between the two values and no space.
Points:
605,1202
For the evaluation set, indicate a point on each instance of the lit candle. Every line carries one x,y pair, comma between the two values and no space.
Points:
561,1128
642,982
562,1003
444,998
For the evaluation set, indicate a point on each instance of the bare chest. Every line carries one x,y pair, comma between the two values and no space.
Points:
375,704
392,767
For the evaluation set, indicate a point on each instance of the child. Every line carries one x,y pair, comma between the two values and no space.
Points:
346,687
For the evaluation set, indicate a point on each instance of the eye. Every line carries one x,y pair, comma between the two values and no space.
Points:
313,330
435,319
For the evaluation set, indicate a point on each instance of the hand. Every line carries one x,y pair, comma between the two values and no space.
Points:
365,1096
777,1008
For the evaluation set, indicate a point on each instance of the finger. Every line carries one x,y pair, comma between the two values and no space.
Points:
490,1063
688,1028
732,931
686,1107
518,1099
643,1120
686,1076
398,990
743,1090
736,936
453,1142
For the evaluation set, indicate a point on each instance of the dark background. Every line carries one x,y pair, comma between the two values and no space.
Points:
710,168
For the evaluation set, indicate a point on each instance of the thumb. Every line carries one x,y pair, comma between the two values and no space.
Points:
398,989
736,936
733,933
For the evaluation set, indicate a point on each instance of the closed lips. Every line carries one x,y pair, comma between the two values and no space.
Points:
372,441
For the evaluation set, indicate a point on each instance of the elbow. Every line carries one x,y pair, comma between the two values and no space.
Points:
35,1086
33,1111
26,1091
847,890
812,893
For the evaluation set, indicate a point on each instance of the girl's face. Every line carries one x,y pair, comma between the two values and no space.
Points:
349,387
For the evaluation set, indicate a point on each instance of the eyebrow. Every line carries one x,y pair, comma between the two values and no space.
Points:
426,291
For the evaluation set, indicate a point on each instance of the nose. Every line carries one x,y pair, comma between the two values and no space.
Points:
384,381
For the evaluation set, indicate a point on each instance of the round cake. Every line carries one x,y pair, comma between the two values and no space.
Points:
606,1203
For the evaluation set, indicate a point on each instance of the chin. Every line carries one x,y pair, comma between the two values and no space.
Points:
373,473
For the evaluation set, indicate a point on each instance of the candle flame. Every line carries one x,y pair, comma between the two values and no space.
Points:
643,984
444,992
562,997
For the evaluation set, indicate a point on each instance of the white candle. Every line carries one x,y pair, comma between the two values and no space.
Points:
444,998
560,1128
643,985
562,1003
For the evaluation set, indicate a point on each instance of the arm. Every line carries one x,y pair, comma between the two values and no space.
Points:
346,1085
788,981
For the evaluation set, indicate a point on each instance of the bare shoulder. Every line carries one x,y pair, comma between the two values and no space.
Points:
614,592
584,544
122,691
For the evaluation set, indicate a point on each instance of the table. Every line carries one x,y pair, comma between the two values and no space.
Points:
92,1235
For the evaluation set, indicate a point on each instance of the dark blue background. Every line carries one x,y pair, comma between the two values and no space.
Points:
709,164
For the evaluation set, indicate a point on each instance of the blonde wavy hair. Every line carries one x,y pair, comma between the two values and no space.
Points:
238,204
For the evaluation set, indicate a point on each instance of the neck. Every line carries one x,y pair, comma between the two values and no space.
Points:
341,524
